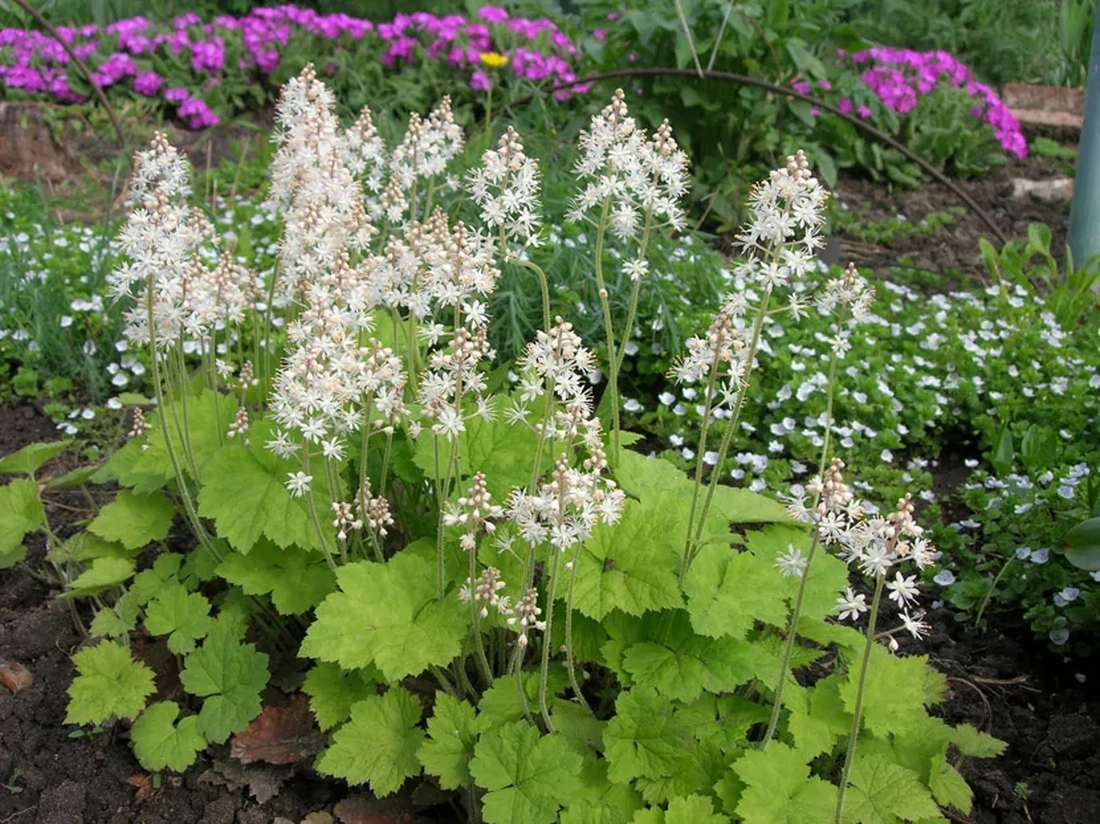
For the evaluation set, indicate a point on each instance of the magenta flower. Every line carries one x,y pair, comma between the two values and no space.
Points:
480,82
148,83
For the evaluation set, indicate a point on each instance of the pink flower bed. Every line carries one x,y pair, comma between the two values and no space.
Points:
35,64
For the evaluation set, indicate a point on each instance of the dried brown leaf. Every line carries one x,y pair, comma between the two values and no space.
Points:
280,735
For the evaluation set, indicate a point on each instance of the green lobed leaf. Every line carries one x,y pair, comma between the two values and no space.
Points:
20,513
779,788
116,621
452,733
230,676
296,579
817,718
691,809
30,457
379,744
828,575
85,548
148,583
103,574
644,738
631,565
948,787
134,520
389,615
204,411
159,743
181,615
244,492
729,591
332,691
501,703
599,800
882,792
504,452
684,664
528,777
895,693
973,743
109,682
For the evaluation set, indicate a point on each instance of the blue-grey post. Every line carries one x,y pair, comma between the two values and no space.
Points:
1084,215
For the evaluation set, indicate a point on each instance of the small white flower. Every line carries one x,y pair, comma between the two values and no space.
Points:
851,606
945,578
298,483
903,590
916,627
791,563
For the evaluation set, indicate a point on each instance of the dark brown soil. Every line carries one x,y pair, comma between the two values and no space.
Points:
952,250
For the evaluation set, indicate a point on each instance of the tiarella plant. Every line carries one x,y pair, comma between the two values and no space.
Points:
489,585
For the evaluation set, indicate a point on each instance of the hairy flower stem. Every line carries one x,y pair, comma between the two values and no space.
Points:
712,379
613,378
440,561
177,471
547,635
185,429
857,712
313,512
635,292
269,308
569,633
475,614
696,527
796,612
544,288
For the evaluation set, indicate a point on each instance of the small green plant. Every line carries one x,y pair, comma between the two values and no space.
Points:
12,785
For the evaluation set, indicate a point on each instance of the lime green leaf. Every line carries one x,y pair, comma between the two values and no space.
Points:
528,776
389,615
30,457
501,702
828,574
729,591
109,682
74,477
882,792
692,809
20,513
379,744
631,565
722,720
134,520
205,436
598,800
149,582
684,664
116,621
159,743
576,724
452,732
85,548
817,718
104,573
779,788
644,738
244,492
332,691
184,617
230,676
297,580
246,496
656,482
975,744
948,787
895,694
504,452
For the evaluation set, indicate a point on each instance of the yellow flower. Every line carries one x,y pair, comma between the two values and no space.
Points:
494,60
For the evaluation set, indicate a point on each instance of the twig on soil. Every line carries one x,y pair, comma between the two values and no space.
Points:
745,80
44,23
987,713
955,816
1018,681
18,813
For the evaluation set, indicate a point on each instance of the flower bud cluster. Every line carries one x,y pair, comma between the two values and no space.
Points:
506,189
474,512
784,232
486,591
636,179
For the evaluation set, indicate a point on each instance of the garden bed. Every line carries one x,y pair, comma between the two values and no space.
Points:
1044,708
